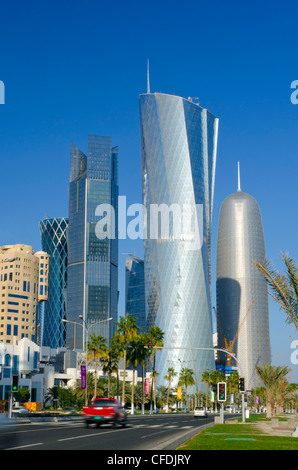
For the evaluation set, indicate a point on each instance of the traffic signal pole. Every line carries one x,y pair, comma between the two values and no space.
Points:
226,352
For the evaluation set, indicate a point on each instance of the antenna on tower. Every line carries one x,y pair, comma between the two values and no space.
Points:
239,188
148,79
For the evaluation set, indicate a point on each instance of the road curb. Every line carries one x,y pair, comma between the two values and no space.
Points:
175,442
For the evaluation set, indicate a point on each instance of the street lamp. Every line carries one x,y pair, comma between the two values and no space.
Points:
86,328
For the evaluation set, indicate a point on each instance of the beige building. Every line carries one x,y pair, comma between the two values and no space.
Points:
23,284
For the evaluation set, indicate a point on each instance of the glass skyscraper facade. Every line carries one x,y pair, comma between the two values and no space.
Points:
92,262
241,291
54,241
135,291
178,155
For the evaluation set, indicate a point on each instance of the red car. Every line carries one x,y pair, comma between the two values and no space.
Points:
104,410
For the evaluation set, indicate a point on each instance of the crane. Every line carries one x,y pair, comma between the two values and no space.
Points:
229,346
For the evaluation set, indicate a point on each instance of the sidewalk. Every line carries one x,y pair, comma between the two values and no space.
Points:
278,428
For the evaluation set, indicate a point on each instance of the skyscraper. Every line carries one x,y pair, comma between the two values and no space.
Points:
178,154
92,289
54,242
135,291
242,300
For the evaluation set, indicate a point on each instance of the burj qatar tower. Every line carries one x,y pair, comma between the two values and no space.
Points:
241,291
178,157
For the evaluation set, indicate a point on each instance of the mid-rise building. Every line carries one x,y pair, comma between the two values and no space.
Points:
92,284
23,284
178,155
54,242
241,291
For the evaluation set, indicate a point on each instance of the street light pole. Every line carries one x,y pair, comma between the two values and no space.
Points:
86,329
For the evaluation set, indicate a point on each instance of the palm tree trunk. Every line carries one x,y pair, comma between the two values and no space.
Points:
124,373
168,394
270,404
132,391
95,378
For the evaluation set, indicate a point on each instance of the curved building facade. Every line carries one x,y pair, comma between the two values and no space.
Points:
54,241
178,156
241,291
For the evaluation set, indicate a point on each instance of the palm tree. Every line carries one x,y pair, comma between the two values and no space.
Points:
156,335
126,332
292,399
281,393
186,378
110,365
162,391
136,354
154,374
284,287
270,376
80,393
96,349
169,378
52,395
233,384
260,392
206,379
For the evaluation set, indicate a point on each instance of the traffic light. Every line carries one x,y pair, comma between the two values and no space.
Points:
241,384
221,391
15,383
149,346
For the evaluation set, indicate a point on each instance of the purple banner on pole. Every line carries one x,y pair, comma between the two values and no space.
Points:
147,386
83,377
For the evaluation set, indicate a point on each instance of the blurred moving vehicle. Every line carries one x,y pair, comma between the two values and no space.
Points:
200,411
19,410
104,410
69,411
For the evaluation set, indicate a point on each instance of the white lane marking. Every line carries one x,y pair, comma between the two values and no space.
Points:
91,435
28,445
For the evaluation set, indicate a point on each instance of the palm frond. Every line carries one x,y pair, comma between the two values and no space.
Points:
284,289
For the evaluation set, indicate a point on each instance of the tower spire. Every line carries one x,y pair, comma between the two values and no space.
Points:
148,79
239,187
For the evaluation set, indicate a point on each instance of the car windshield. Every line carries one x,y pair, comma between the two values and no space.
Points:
199,408
104,403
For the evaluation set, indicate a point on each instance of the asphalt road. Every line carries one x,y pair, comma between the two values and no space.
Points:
155,432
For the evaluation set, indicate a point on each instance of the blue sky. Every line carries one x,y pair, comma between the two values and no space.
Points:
76,68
